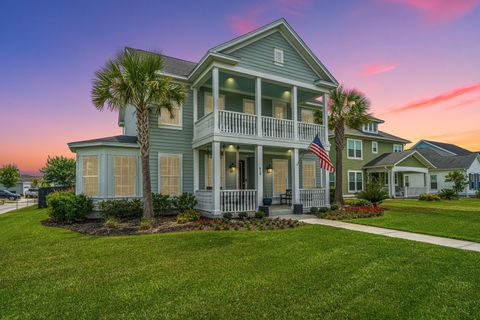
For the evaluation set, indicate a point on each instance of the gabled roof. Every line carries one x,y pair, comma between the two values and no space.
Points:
394,158
448,162
381,135
121,140
448,147
287,31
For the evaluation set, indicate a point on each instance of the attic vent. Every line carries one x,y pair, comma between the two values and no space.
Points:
278,56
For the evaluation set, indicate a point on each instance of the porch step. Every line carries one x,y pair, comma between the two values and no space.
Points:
280,210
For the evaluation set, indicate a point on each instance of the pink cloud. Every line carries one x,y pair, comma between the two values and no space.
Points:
463,104
241,25
439,11
376,69
443,97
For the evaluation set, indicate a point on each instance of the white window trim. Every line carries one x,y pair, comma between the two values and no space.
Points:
208,93
284,105
222,181
374,127
281,52
178,126
273,175
396,144
361,148
251,101
160,154
376,144
431,181
348,180
314,163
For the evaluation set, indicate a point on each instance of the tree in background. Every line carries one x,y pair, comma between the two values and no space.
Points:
459,180
59,170
35,183
9,175
348,107
133,78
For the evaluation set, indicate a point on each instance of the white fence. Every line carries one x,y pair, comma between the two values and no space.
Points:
238,200
237,123
307,131
277,128
312,197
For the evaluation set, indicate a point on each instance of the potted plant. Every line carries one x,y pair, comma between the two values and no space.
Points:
267,201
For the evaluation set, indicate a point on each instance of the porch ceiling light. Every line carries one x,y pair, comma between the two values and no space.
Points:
232,167
230,80
269,168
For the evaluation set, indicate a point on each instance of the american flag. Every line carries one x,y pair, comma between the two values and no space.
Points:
317,148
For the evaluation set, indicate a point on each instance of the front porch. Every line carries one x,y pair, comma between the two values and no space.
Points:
407,182
238,178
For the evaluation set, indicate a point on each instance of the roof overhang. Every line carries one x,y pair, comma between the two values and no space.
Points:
415,154
207,60
434,146
73,146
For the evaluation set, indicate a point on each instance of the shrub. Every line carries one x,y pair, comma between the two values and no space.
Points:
355,212
64,206
111,222
161,204
259,214
121,208
334,206
358,202
146,224
243,215
448,194
186,201
322,209
188,216
428,197
374,192
313,210
227,215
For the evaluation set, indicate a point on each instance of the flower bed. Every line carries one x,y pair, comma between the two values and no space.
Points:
354,212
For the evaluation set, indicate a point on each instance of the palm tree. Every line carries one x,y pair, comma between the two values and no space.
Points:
132,78
348,107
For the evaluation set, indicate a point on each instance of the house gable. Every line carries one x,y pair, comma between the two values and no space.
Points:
411,161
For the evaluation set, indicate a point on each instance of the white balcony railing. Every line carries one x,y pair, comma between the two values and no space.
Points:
237,123
307,131
312,197
238,200
277,128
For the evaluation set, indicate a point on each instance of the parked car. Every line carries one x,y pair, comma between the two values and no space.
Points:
31,193
4,194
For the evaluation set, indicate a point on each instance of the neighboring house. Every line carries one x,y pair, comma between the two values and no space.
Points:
371,152
22,185
240,136
447,158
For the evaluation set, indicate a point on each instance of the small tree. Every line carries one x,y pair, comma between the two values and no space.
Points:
459,180
374,192
59,170
9,175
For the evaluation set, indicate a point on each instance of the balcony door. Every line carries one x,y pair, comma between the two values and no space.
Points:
279,110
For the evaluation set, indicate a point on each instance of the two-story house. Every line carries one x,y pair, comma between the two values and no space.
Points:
239,137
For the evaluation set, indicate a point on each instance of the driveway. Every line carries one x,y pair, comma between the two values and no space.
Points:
22,203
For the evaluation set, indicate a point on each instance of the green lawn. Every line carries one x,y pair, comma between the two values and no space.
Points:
455,219
310,272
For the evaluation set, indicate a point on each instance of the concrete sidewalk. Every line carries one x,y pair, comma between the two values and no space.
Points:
22,203
440,241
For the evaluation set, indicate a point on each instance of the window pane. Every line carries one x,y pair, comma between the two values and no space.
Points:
124,175
309,175
307,115
90,175
170,174
280,174
249,106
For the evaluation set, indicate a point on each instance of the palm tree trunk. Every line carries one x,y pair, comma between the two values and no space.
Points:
339,145
143,140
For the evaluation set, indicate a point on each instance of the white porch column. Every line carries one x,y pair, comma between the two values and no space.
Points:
326,97
427,182
195,109
216,164
215,99
294,112
295,177
391,183
259,173
258,105
326,187
196,170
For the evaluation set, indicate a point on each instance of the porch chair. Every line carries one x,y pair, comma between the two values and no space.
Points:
287,197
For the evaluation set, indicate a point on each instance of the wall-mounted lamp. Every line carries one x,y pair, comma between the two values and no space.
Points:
232,167
269,168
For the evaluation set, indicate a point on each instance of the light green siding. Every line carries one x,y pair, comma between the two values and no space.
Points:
411,162
259,56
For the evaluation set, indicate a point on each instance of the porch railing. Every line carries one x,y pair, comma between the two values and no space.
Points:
277,128
414,191
307,131
237,123
204,126
204,199
312,197
238,200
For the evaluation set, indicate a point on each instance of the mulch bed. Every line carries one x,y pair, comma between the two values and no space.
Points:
97,227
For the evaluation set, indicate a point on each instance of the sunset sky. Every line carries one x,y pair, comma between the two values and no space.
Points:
417,60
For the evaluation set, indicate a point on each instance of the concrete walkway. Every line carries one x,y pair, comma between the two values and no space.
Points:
440,241
22,203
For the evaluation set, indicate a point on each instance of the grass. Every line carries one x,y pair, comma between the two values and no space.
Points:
458,219
311,272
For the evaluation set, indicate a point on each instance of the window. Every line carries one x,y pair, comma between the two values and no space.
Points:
209,102
374,147
248,106
332,179
355,181
170,174
307,115
209,168
371,127
406,181
174,119
279,110
397,148
474,181
125,175
278,57
90,176
280,175
309,174
433,182
354,149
